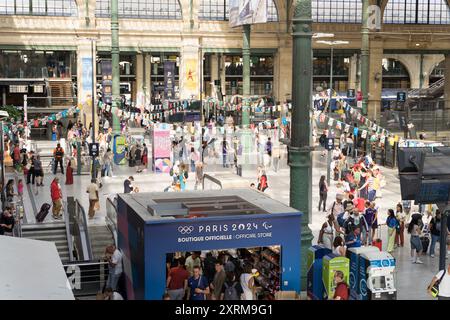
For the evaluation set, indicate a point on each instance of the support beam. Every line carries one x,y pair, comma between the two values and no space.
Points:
246,74
300,159
365,57
115,64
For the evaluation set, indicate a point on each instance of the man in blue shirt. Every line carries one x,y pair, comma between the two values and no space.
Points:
198,286
353,239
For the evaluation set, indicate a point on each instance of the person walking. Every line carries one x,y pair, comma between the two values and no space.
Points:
177,280
393,225
144,156
247,283
218,280
435,231
323,192
326,234
31,174
400,235
114,258
69,172
224,152
58,155
198,285
38,171
107,162
56,195
92,190
198,175
416,244
442,281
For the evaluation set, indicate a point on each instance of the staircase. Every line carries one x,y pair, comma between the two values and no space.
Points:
61,92
434,91
45,150
100,237
54,232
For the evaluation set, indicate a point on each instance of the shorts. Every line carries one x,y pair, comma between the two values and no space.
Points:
416,243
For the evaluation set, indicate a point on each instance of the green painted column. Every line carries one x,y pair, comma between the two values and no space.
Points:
300,160
246,74
115,64
365,57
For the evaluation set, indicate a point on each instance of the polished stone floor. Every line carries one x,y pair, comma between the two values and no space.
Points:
412,279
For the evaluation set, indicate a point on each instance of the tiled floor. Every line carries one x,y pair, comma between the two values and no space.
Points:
412,279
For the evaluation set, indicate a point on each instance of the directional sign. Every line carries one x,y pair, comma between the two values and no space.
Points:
93,149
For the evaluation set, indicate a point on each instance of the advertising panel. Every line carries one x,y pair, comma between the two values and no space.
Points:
244,12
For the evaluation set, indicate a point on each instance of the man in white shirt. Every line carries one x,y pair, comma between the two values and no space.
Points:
114,257
92,189
444,284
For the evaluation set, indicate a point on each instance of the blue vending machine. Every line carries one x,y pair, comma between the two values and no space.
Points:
353,254
376,276
315,287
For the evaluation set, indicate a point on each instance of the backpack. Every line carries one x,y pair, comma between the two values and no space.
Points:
231,292
340,219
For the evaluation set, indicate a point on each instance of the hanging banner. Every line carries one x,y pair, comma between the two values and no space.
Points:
244,12
86,74
106,81
169,80
191,75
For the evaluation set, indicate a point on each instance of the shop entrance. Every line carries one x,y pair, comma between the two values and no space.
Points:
255,272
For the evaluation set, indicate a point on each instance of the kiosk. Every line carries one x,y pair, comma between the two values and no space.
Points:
315,287
119,149
151,226
353,254
376,276
332,263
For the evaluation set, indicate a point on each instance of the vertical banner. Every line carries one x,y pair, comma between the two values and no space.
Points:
86,76
161,149
107,81
191,75
169,80
247,12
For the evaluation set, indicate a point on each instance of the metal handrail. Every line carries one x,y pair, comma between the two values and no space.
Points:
68,234
111,218
80,216
92,277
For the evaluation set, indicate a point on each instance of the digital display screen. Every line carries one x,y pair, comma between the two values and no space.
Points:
433,192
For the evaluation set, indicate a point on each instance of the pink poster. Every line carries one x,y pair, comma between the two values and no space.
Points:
161,141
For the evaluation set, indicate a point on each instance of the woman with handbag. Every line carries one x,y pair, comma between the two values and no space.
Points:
440,285
30,174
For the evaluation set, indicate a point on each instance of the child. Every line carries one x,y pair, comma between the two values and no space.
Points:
20,188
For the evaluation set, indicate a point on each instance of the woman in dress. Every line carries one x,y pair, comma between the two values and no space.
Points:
69,172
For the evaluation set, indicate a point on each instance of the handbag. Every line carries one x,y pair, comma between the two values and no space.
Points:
435,288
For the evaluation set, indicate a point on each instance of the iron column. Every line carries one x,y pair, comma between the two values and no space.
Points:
94,107
2,164
365,58
329,112
115,64
246,75
300,159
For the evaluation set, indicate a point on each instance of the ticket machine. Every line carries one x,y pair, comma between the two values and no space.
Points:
315,286
376,276
353,254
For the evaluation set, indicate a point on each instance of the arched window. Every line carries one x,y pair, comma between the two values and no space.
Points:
417,12
38,7
219,10
395,75
141,9
338,11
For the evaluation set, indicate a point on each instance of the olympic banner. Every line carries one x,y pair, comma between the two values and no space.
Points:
169,80
244,12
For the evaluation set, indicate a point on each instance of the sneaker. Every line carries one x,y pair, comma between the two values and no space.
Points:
418,261
432,255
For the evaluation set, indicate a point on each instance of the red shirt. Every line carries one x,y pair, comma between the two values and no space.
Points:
55,191
178,276
341,291
16,152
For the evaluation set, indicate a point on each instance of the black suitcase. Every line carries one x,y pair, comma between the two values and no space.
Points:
425,243
45,208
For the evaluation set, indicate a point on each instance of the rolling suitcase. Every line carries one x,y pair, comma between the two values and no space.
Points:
425,243
45,208
378,242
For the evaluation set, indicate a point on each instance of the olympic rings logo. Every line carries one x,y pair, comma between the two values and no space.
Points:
185,229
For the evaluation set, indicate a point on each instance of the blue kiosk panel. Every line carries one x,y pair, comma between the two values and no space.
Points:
236,232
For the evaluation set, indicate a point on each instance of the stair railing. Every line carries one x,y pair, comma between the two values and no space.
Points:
68,233
84,239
